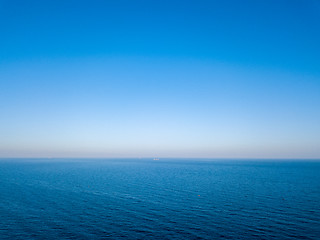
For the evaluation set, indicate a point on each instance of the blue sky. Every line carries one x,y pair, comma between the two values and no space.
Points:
216,79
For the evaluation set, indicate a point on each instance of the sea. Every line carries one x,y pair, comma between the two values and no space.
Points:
164,199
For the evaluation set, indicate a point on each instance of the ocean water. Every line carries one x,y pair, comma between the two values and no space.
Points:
165,199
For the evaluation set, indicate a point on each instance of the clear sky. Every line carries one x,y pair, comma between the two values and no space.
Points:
215,79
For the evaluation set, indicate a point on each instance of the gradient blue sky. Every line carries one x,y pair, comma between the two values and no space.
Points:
216,79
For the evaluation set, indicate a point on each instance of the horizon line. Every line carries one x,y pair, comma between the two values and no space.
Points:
191,158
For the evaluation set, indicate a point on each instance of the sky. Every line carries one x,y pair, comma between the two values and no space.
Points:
191,79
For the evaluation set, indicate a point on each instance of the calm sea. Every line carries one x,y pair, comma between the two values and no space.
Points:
165,199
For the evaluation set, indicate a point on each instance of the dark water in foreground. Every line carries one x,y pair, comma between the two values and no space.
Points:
166,199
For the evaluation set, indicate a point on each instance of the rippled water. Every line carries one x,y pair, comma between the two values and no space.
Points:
166,199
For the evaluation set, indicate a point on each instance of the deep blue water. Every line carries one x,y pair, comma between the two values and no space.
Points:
166,199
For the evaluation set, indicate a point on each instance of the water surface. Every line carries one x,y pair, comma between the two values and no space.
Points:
166,199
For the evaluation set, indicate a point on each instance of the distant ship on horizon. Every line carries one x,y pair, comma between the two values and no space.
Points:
155,159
